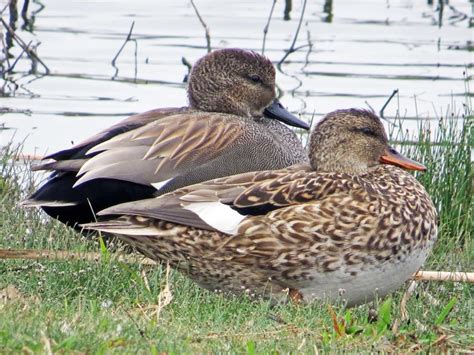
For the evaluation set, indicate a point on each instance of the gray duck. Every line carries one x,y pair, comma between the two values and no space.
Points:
230,126
350,224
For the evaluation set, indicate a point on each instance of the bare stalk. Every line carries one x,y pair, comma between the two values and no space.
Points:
286,13
4,8
381,114
206,29
444,276
295,38
11,67
33,254
128,38
265,29
31,53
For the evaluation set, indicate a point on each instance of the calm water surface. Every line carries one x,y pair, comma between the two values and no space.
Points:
353,55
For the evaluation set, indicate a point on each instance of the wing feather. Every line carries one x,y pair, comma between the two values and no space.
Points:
73,165
199,205
167,147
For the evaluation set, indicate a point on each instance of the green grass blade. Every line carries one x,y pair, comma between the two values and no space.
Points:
445,311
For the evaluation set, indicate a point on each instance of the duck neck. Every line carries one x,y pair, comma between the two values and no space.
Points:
341,164
211,102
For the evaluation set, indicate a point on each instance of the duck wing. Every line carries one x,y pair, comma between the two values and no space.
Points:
161,156
222,204
73,158
58,197
160,151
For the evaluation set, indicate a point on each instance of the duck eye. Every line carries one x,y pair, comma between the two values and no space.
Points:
255,78
367,131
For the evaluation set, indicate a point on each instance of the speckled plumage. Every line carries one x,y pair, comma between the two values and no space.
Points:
352,229
225,130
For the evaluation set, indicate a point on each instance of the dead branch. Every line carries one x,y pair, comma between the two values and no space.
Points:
403,305
265,29
381,114
24,14
5,51
287,11
34,254
61,255
4,8
21,156
206,29
12,66
444,276
310,49
31,53
127,39
295,38
129,35
188,65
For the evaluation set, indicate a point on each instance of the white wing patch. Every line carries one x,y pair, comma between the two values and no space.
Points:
158,185
217,215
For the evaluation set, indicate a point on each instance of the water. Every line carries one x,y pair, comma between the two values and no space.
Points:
360,52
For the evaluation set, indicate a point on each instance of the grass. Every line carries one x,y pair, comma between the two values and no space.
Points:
108,306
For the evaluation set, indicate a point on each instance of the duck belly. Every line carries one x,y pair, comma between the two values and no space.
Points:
363,283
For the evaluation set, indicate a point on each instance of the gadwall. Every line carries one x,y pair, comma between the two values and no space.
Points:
350,225
229,127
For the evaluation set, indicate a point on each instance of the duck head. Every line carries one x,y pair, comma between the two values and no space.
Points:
352,141
239,82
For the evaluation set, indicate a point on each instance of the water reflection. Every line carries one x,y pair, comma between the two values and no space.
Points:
349,54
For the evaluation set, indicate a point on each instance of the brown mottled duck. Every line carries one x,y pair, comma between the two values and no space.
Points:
350,224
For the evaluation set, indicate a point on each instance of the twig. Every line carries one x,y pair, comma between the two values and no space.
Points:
265,29
440,14
128,38
442,339
188,65
369,106
292,47
11,67
24,13
165,297
58,255
140,330
406,296
444,276
21,156
310,49
34,254
286,13
124,43
301,47
206,29
387,102
5,50
46,343
4,8
135,56
403,305
327,9
33,56
276,318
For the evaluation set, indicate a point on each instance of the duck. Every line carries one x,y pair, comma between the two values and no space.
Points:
233,124
349,225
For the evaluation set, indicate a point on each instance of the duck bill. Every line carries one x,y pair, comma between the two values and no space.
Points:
278,112
392,157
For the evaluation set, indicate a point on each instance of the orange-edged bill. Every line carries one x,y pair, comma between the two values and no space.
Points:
392,157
